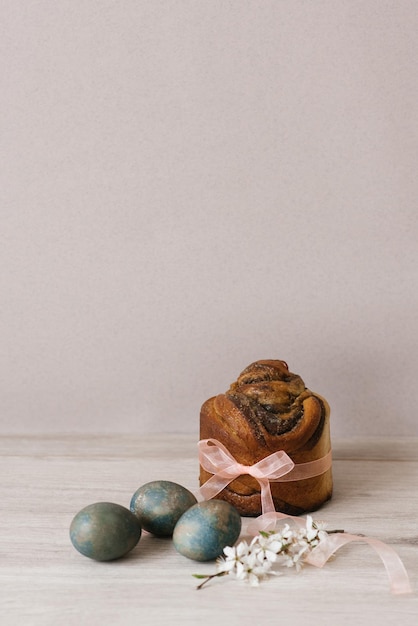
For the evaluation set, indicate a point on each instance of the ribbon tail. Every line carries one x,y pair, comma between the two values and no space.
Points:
267,504
217,483
398,577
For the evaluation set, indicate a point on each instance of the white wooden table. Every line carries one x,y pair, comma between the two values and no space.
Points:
44,581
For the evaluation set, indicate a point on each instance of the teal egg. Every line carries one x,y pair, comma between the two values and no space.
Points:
205,529
159,504
104,531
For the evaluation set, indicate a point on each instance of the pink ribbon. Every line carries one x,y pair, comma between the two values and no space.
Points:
397,574
215,458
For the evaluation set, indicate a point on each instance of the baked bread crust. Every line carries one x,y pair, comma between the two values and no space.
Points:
268,409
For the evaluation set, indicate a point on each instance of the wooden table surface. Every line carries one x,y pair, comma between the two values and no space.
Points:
44,581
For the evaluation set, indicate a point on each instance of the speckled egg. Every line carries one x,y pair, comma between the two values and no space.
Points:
159,504
105,531
206,529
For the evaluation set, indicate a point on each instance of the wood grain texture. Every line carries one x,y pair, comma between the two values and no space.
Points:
44,581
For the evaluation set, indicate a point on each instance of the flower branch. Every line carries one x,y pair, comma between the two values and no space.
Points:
254,561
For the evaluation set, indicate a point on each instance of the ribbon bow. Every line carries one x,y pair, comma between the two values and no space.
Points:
215,458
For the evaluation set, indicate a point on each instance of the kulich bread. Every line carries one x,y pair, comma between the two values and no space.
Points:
269,409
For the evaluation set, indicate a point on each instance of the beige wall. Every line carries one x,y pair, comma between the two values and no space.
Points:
188,186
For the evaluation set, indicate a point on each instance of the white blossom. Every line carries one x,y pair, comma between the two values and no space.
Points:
232,562
283,547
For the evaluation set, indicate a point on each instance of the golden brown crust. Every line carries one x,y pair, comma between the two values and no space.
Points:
269,409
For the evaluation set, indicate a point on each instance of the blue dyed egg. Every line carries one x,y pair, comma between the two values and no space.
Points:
159,504
206,529
104,531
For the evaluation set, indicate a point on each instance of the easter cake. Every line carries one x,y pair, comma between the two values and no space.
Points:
267,409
